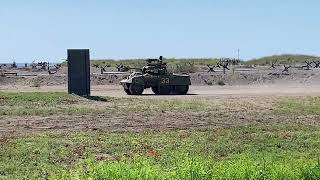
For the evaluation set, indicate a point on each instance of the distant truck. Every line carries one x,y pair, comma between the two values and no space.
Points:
155,76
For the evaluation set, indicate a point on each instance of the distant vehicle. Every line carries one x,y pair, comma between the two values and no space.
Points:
155,76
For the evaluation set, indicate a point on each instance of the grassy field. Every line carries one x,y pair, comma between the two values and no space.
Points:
141,62
37,103
248,151
299,106
175,65
46,104
271,152
191,65
287,59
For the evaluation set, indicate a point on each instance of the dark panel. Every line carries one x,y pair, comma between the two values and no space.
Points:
79,72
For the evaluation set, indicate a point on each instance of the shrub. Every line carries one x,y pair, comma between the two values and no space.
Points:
221,83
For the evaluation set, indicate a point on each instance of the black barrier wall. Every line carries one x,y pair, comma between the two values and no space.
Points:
79,72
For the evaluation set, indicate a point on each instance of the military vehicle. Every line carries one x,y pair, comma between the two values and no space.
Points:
156,76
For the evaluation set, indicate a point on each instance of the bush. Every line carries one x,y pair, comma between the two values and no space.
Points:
221,83
210,83
185,68
36,83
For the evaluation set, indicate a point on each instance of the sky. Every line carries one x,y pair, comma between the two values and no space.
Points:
37,30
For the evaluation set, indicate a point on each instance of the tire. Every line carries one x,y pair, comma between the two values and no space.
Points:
164,90
182,89
136,89
127,91
155,90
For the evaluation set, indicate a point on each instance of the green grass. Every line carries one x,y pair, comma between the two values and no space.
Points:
36,103
283,59
37,98
47,103
196,167
272,152
249,152
302,106
140,62
187,65
159,105
44,103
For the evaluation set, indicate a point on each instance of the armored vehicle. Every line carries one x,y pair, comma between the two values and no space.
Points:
156,76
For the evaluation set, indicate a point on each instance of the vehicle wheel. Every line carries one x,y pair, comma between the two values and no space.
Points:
182,89
164,90
155,90
127,91
136,89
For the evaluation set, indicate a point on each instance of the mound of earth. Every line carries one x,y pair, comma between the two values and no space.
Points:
255,77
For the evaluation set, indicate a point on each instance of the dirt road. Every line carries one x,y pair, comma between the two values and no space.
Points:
204,91
195,91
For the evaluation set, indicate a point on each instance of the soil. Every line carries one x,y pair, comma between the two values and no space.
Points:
260,86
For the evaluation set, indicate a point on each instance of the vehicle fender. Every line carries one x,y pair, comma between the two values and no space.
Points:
138,80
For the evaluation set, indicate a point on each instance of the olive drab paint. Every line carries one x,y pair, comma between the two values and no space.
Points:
155,75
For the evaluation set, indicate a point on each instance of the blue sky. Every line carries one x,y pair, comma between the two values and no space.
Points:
44,29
